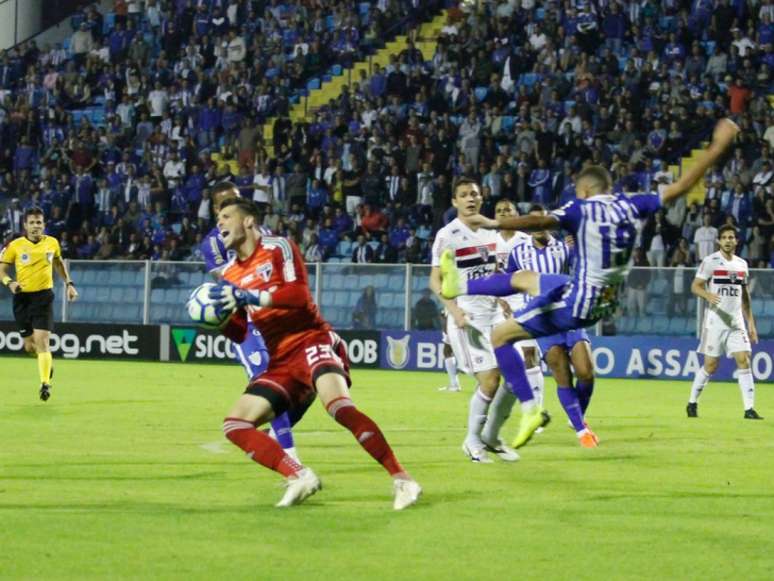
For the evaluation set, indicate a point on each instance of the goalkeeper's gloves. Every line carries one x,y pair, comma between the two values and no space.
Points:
229,297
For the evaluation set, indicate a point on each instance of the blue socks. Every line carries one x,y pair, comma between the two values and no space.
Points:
585,390
568,397
515,374
281,427
495,285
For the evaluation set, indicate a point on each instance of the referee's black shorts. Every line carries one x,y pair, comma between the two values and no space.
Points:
34,311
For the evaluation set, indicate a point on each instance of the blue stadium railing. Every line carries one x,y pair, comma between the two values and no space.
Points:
153,292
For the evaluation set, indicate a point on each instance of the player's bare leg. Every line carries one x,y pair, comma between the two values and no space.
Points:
334,395
746,384
40,340
239,427
514,371
700,381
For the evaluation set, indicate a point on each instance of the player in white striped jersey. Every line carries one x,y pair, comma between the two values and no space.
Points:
604,226
471,319
504,399
566,351
722,281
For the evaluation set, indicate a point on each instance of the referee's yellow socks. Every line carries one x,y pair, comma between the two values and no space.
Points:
44,367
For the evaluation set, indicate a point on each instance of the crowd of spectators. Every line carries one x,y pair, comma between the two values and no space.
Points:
119,134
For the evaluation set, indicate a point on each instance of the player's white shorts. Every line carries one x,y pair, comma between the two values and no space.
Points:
472,345
717,341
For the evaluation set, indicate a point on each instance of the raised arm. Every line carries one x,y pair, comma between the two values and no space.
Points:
523,223
724,134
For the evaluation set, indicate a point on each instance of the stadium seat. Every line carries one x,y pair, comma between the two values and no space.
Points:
644,325
507,123
339,298
397,283
768,308
660,324
313,84
480,93
625,325
765,327
336,70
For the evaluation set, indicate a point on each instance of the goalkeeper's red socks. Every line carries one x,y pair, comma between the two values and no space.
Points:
367,433
260,447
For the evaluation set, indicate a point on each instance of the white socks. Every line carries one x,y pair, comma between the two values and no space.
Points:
536,382
747,387
499,411
479,406
451,369
699,383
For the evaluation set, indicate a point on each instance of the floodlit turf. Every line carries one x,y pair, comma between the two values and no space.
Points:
125,473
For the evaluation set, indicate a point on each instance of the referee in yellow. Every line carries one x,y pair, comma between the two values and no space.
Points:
35,256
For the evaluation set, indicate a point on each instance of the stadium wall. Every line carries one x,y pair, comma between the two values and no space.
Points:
19,20
641,356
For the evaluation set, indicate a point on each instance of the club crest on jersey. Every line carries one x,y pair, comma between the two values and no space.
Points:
483,252
733,277
25,258
264,271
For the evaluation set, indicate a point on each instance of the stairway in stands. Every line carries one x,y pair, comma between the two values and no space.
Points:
321,91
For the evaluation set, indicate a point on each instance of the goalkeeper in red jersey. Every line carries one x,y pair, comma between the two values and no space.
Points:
267,281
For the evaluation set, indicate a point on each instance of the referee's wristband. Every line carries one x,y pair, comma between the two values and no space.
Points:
7,280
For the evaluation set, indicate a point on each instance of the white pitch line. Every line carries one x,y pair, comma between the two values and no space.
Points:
214,447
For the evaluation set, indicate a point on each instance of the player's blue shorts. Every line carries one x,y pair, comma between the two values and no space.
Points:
551,312
252,353
567,339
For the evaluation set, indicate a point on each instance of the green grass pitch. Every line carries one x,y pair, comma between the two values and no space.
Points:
125,473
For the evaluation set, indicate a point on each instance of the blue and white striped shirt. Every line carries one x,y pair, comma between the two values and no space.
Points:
605,229
554,258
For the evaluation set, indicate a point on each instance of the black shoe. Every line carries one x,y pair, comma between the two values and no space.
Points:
45,391
751,414
692,410
546,418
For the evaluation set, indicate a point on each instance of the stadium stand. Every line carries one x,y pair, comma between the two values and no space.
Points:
352,119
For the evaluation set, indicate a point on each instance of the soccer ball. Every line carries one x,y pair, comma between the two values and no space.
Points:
202,310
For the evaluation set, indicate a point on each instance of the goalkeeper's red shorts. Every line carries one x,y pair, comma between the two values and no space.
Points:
288,383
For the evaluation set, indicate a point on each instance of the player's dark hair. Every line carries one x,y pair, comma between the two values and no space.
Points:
598,175
223,187
727,228
462,181
245,206
33,211
537,208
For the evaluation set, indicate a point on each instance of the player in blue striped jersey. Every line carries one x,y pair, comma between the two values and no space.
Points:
567,350
604,226
251,353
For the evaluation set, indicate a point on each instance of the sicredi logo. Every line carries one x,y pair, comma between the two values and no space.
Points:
183,339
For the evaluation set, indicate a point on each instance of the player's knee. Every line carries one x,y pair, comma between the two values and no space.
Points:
30,348
742,360
584,375
710,367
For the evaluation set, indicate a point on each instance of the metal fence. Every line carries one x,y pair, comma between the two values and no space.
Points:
655,300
